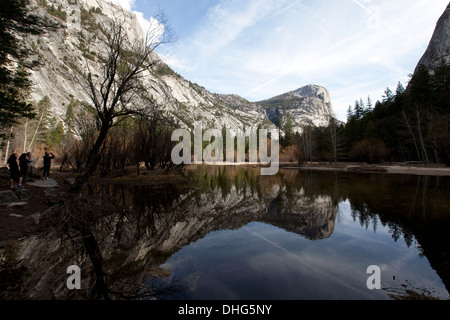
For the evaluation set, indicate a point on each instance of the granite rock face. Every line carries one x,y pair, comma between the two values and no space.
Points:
309,105
82,39
438,50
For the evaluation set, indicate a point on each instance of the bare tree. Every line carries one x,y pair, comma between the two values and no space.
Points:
307,142
336,135
116,90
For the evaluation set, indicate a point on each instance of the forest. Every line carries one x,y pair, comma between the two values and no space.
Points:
409,125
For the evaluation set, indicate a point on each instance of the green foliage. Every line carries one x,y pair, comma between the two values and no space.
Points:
55,133
288,133
89,22
162,69
16,21
13,92
56,12
408,125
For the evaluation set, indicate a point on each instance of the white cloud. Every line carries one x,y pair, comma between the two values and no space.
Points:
125,4
229,19
260,48
150,26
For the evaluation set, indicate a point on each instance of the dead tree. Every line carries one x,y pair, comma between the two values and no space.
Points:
115,90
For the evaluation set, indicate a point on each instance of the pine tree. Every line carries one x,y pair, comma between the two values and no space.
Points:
400,89
369,105
350,113
388,96
16,20
288,133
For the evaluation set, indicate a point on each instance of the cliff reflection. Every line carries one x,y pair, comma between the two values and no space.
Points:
138,227
287,198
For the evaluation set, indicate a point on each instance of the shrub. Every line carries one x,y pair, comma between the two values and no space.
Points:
371,151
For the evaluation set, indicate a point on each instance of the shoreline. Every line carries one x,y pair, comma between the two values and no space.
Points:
19,222
387,168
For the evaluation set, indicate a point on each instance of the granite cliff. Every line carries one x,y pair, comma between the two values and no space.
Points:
81,41
438,50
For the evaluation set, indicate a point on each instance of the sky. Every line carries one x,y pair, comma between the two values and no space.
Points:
259,49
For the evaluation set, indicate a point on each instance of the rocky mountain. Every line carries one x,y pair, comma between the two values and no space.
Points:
81,41
438,50
310,104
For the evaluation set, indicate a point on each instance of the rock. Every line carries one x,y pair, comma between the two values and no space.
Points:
52,192
24,194
69,181
310,104
36,217
178,98
16,215
50,183
18,204
8,196
4,173
439,47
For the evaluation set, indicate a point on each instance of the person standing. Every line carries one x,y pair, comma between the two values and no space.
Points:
23,165
14,172
30,166
47,164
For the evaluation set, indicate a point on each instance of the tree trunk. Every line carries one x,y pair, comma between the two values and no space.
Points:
412,135
92,161
25,136
8,144
35,133
100,289
419,131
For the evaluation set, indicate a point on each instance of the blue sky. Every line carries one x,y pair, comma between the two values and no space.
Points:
262,48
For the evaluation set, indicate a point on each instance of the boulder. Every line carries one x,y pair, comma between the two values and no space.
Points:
24,194
4,172
52,192
69,181
8,196
19,204
50,183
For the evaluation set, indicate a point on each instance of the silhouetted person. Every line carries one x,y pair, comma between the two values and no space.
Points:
23,165
47,164
14,172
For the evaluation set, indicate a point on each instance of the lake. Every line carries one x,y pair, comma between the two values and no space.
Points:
232,234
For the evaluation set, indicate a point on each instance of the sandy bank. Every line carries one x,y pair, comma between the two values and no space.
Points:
431,170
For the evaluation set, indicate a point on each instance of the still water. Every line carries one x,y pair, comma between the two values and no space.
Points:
229,233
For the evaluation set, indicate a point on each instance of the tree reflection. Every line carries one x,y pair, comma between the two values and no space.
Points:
105,221
119,234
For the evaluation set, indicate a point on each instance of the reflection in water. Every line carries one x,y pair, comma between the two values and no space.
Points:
296,235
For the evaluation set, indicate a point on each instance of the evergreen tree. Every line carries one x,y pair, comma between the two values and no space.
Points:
369,105
359,110
16,20
400,89
288,133
388,96
350,113
410,125
441,88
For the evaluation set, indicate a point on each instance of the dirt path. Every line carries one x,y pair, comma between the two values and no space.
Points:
20,221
